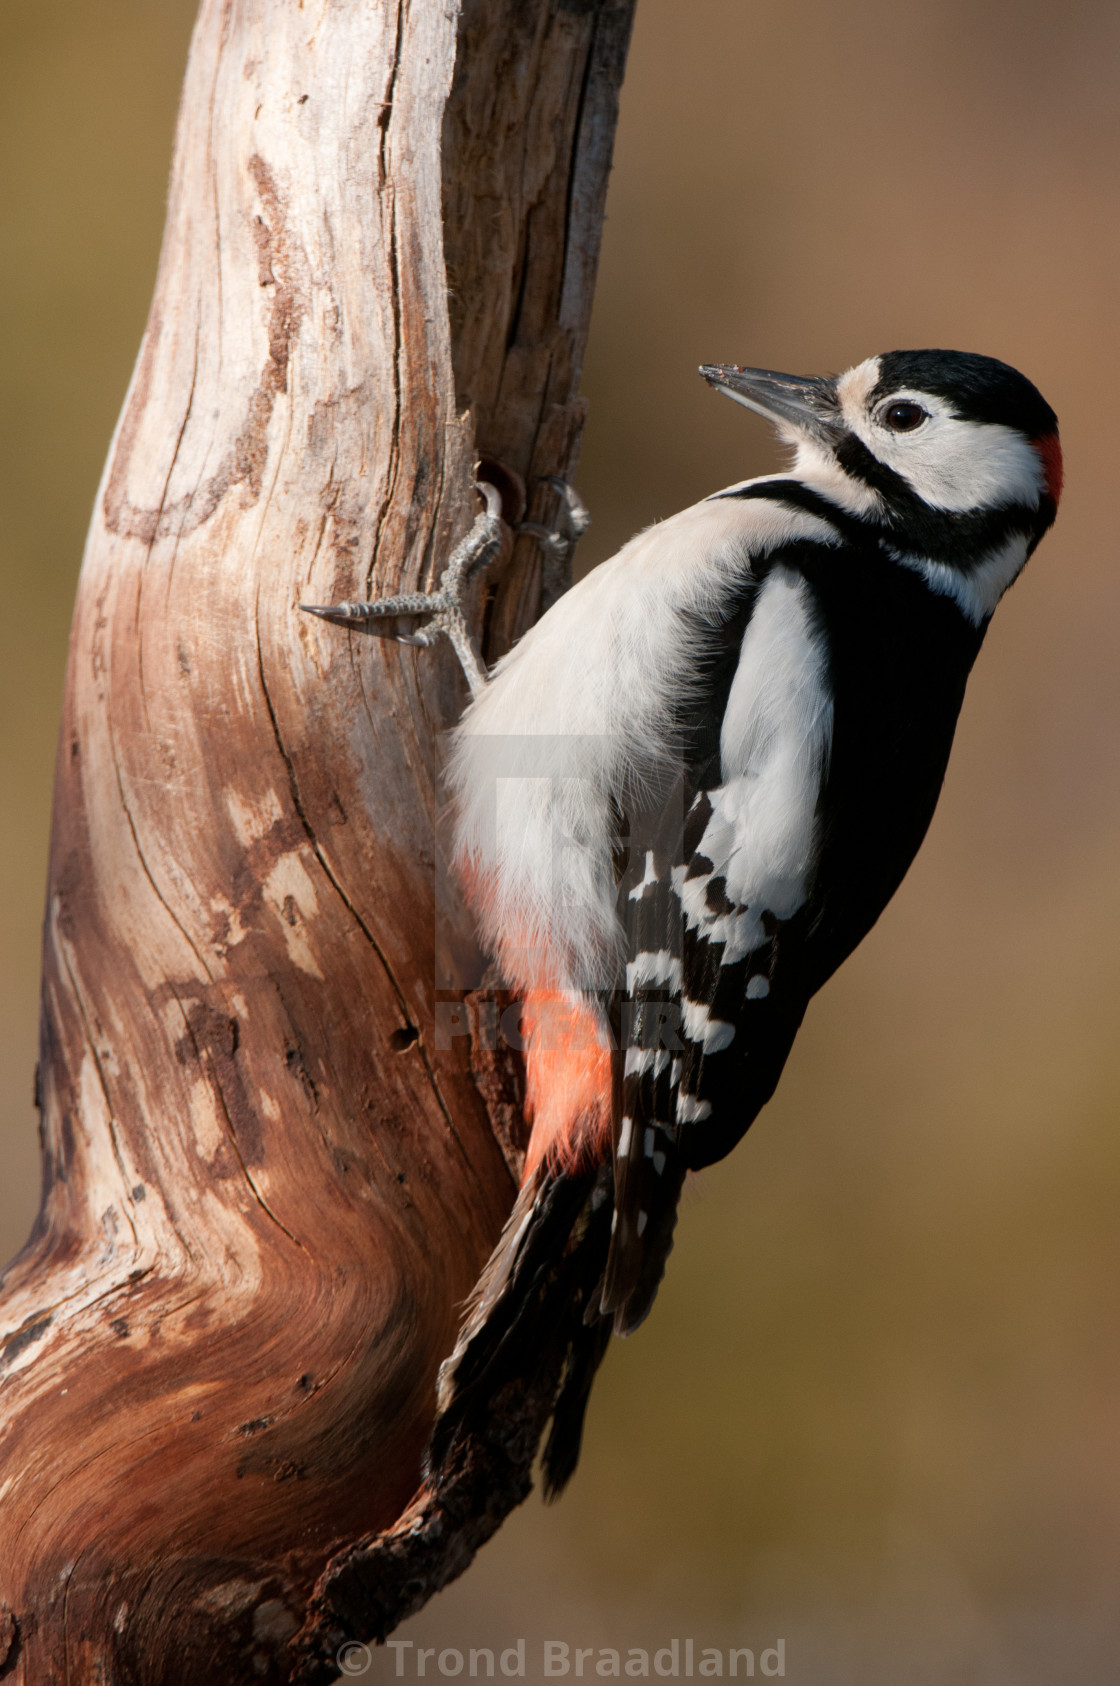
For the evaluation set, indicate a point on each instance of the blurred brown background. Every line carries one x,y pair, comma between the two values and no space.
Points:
877,1411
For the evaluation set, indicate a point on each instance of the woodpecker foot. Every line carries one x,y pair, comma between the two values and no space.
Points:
436,611
558,543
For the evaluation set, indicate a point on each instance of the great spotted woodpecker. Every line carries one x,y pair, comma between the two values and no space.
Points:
690,790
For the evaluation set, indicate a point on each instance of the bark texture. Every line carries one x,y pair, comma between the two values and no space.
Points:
271,1170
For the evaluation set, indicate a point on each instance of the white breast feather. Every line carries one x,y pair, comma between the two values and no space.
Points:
977,592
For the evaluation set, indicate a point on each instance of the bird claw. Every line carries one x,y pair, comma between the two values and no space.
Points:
553,543
443,608
558,543
386,608
574,511
441,611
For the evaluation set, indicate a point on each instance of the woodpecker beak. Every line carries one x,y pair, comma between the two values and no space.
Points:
806,403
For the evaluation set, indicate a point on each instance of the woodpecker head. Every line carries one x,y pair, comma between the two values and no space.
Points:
955,457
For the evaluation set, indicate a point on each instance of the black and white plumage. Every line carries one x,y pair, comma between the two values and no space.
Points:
689,791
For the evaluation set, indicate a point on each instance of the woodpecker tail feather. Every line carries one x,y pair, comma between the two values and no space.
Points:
533,1326
649,1176
586,1348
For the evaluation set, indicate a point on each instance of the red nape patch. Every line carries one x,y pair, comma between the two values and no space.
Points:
1050,450
568,1089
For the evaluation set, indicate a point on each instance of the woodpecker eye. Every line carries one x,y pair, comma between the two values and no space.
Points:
903,417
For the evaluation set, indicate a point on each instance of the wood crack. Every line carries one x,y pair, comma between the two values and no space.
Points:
356,916
206,1063
386,190
103,1084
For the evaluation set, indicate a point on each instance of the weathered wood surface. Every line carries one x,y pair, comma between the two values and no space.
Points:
267,1185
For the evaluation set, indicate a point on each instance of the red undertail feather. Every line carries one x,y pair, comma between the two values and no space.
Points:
568,1089
567,1055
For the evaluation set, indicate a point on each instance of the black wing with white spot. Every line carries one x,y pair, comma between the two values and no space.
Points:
714,907
648,1167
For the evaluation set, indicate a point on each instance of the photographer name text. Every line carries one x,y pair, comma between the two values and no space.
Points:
680,1659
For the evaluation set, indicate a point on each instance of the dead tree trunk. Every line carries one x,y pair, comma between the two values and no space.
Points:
267,1186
